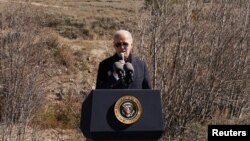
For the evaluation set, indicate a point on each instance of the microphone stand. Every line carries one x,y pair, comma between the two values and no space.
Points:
122,78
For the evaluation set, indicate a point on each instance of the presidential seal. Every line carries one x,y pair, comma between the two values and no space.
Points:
127,109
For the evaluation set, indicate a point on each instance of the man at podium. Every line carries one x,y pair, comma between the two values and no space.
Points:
123,70
118,109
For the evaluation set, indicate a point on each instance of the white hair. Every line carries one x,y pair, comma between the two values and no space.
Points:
124,32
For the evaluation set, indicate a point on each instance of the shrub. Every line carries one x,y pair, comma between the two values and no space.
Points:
197,55
22,68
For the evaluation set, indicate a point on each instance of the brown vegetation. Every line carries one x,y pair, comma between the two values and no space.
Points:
199,59
197,52
22,65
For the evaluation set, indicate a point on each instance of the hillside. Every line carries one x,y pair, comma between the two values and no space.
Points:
78,35
84,29
197,53
87,19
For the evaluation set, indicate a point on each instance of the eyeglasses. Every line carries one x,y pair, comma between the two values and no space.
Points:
120,44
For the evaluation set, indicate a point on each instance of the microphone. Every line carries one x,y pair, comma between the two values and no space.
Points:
118,68
122,56
129,69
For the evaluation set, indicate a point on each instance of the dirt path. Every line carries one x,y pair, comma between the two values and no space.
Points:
33,3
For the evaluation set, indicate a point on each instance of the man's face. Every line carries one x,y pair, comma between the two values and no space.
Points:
123,44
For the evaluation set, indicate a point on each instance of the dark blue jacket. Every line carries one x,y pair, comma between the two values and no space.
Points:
106,80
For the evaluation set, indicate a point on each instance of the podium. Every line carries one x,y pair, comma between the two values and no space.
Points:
122,114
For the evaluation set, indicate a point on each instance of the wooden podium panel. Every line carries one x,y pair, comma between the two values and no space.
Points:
99,122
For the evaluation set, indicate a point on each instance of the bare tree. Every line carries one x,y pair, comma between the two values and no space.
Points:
199,58
22,70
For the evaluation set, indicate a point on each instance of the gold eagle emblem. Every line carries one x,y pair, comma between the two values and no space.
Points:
128,109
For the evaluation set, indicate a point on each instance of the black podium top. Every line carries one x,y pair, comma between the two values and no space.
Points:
99,121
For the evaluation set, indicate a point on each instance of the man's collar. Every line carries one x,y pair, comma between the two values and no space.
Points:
129,59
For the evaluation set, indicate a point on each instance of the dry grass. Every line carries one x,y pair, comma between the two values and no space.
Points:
88,19
102,17
76,35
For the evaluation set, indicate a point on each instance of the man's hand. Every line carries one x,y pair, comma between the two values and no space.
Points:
122,62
